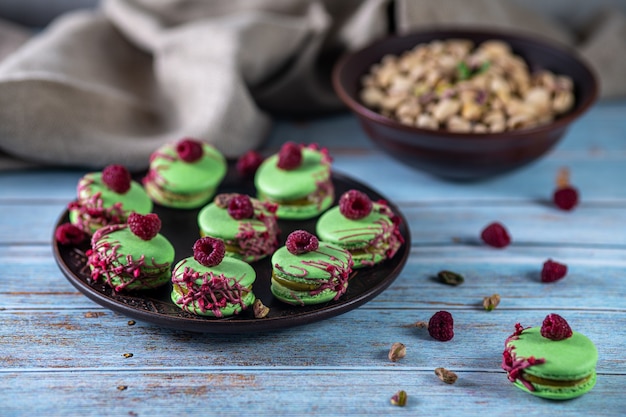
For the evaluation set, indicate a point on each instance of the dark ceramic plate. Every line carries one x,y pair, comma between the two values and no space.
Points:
180,227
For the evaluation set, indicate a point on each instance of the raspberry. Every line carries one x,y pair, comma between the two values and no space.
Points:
565,198
116,178
209,251
555,327
355,205
496,235
290,156
552,271
441,326
240,207
248,163
68,234
145,227
189,150
301,241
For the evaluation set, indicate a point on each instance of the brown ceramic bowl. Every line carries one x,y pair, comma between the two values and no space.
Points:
465,156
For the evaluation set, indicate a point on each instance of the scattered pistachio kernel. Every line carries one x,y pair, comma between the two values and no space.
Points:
421,324
399,398
260,310
397,351
127,355
446,376
491,302
450,278
131,322
122,387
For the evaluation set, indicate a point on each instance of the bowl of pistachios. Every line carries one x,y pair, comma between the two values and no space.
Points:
465,104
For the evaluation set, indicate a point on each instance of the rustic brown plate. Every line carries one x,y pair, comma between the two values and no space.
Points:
180,227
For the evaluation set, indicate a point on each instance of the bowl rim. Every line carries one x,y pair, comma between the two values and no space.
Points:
447,32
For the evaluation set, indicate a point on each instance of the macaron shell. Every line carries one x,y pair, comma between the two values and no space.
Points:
286,185
235,269
565,360
228,310
173,174
158,248
215,221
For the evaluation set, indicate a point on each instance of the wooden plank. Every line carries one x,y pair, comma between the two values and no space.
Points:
35,340
431,224
33,280
280,392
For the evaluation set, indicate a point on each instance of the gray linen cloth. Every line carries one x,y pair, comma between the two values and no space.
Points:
113,84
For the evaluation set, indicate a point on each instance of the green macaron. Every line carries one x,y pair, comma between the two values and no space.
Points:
249,239
370,239
300,193
554,369
313,277
97,205
174,182
126,262
221,290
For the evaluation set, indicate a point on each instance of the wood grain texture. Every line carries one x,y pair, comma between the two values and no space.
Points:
62,354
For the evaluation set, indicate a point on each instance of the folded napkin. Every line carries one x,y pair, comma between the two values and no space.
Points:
113,84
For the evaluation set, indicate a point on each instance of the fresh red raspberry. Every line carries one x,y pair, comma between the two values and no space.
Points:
496,235
116,178
189,150
565,198
441,326
248,163
209,251
555,327
240,207
301,241
144,226
355,204
552,271
68,234
289,156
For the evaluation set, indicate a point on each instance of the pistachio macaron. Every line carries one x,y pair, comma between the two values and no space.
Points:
306,271
184,174
248,227
550,361
298,180
132,256
107,197
209,284
369,230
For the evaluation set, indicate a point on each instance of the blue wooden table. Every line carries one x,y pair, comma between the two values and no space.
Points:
62,354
